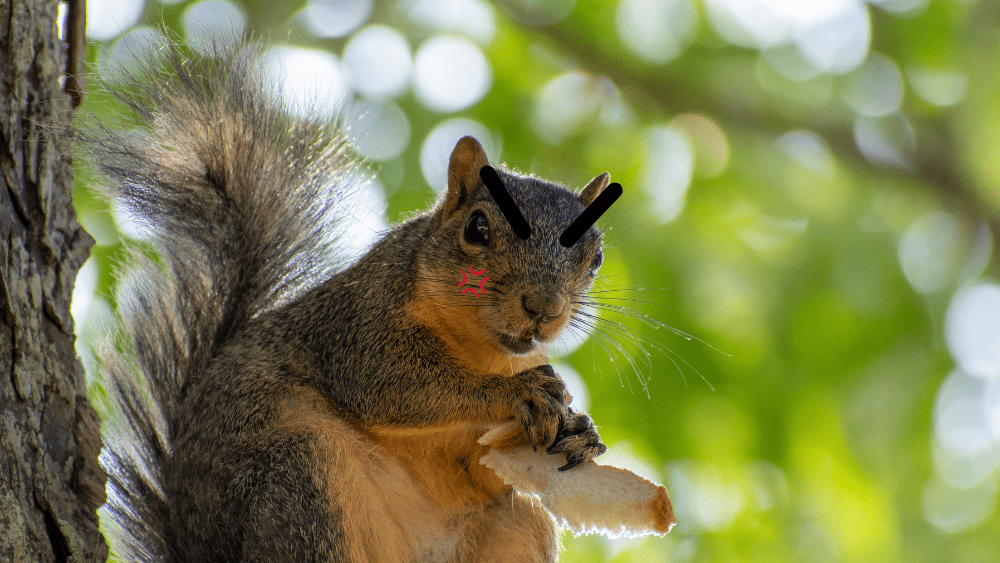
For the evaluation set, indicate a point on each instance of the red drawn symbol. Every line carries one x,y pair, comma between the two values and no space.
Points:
482,282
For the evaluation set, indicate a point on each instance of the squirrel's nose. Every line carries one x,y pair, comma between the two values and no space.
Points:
543,306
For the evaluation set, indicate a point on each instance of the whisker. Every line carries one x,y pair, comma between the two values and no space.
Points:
649,321
600,335
629,333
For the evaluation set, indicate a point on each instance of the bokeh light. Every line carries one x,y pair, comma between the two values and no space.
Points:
127,50
809,150
334,18
567,102
707,140
471,18
310,83
379,128
377,61
213,22
929,252
875,88
656,30
831,35
965,452
940,88
887,140
669,168
972,329
450,74
107,19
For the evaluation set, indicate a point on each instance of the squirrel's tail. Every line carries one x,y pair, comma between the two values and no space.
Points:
238,200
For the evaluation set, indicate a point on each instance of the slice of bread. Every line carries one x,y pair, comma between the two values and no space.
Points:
588,499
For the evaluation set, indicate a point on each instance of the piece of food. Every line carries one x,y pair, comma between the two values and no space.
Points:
588,499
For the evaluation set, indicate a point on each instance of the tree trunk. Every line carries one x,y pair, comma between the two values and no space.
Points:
50,480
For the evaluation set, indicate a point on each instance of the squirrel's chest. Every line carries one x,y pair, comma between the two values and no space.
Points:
444,463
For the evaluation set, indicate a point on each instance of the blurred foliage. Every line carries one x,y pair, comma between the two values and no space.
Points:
798,424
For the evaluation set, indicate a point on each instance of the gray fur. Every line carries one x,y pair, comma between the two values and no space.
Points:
242,320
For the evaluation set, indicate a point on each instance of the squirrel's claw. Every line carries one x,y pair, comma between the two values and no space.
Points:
579,456
571,464
579,438
586,454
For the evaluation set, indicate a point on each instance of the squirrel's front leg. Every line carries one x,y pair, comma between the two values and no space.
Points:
540,404
548,421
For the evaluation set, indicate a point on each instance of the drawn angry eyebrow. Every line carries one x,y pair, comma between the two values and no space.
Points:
590,215
506,203
519,224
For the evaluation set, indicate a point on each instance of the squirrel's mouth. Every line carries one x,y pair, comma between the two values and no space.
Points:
517,345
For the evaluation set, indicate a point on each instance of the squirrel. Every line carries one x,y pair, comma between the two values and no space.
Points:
270,407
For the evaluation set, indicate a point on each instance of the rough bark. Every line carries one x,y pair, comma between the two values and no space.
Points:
50,480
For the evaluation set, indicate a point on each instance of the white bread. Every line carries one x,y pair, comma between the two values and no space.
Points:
588,499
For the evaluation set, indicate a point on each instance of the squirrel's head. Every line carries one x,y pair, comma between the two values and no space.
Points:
535,284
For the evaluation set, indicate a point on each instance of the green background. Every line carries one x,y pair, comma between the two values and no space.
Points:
799,424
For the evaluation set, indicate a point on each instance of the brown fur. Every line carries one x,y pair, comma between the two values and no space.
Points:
297,413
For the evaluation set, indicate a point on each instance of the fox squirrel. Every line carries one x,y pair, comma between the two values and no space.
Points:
270,408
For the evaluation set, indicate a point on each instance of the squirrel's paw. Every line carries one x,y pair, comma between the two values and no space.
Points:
577,437
541,404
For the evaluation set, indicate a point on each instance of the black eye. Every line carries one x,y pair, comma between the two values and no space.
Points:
596,264
477,230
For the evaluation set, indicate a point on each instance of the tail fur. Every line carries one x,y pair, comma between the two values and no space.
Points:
241,201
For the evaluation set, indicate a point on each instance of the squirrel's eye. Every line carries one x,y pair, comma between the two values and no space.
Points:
477,230
596,264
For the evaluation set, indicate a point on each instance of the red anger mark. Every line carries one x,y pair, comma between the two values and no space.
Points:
482,282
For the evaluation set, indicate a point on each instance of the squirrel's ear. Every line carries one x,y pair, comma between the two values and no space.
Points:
467,160
594,188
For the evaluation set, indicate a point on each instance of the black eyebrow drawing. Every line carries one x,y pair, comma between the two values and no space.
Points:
590,215
506,203
517,221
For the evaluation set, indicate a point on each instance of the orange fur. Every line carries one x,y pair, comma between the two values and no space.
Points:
515,529
386,513
423,496
445,463
462,331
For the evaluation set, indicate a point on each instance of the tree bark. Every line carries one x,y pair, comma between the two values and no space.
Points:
50,481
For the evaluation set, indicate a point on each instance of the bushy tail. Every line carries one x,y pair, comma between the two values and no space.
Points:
240,200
